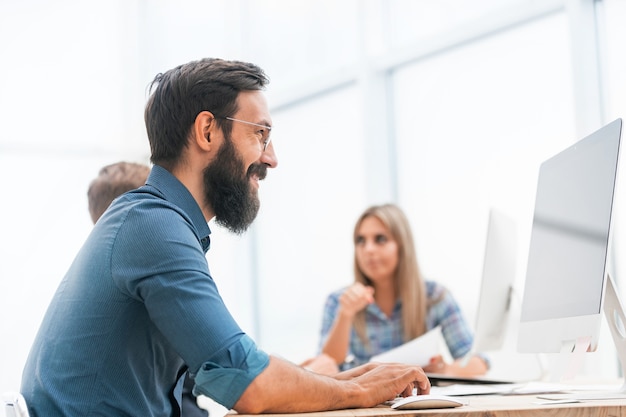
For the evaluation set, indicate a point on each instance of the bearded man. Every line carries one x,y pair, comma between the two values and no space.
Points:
138,307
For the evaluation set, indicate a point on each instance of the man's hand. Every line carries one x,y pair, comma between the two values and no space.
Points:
384,382
369,374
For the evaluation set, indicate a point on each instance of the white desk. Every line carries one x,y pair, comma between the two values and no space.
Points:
488,406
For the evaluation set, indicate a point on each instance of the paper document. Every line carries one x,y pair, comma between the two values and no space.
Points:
416,352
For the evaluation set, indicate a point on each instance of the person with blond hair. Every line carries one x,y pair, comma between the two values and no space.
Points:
390,303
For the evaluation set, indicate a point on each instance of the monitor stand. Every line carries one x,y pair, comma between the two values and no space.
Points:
616,319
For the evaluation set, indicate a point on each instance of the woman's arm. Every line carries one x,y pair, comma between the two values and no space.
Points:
336,345
354,299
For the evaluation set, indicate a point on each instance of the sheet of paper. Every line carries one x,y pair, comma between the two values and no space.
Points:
416,352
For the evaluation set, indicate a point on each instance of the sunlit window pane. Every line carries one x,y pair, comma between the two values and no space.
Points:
413,20
473,125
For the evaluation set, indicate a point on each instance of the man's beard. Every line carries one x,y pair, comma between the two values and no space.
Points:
228,191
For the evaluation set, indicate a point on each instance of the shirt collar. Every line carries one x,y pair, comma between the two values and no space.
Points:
175,192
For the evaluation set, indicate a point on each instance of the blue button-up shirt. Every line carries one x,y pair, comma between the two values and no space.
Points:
385,333
136,308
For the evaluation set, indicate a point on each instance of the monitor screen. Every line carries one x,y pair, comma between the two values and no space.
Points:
565,275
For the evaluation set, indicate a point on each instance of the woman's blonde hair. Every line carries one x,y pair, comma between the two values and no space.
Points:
410,286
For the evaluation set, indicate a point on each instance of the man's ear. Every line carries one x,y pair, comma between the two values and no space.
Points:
203,127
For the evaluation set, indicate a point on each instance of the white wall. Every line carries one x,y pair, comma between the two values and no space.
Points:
465,109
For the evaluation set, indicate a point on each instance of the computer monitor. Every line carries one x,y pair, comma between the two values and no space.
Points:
498,282
566,274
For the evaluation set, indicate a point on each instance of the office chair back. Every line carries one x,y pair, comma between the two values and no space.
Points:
14,404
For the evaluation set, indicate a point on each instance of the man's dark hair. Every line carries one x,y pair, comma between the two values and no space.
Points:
181,93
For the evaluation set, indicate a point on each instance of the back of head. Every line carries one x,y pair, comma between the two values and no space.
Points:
112,181
181,93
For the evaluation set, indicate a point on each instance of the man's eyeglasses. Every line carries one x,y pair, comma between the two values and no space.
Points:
265,133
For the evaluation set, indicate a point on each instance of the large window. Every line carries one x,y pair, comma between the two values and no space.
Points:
473,123
424,20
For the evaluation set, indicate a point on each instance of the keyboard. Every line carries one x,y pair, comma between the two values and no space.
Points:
585,396
475,389
525,388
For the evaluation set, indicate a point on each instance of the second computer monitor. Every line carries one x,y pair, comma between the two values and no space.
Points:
498,281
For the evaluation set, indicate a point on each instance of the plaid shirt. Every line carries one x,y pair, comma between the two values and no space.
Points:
385,333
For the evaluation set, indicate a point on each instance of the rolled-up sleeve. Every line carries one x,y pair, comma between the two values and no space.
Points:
226,382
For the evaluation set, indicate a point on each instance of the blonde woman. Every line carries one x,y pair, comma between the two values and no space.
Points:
390,303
